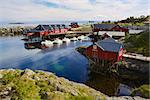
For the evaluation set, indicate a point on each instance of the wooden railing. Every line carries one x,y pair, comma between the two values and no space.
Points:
137,57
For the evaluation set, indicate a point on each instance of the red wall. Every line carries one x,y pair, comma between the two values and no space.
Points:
111,56
118,28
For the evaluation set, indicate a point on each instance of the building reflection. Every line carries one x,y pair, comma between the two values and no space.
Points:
107,84
32,45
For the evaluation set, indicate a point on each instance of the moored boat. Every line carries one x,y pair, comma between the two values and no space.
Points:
47,42
81,37
74,39
57,41
66,40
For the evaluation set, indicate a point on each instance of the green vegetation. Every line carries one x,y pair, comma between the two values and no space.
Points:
83,28
130,21
135,20
138,44
26,89
143,90
39,85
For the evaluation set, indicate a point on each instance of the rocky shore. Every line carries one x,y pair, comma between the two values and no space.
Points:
41,85
13,31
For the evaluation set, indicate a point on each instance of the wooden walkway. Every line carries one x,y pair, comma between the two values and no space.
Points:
143,58
78,32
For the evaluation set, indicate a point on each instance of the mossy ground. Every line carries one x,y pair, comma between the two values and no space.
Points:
138,44
143,90
40,85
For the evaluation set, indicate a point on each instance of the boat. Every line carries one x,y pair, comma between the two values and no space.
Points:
74,39
81,37
86,38
57,41
66,40
47,42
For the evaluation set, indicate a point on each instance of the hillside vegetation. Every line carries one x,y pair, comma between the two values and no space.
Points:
138,44
130,21
40,85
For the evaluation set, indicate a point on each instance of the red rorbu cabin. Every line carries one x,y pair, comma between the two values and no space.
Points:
74,25
45,30
107,50
52,29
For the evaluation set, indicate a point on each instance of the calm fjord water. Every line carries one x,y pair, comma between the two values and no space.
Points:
62,60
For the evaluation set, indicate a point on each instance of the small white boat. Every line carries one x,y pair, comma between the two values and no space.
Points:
81,37
86,38
57,41
47,42
66,40
74,39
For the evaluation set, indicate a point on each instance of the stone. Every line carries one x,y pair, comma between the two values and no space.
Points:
1,76
4,93
28,72
74,92
36,78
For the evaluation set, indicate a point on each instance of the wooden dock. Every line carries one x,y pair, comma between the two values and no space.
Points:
79,32
143,58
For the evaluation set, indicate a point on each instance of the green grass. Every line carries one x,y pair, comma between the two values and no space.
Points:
27,89
144,90
42,86
138,43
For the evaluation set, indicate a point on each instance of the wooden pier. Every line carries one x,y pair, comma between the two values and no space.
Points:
79,32
143,58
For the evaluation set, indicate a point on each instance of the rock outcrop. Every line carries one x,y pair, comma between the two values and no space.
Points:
41,85
13,31
27,84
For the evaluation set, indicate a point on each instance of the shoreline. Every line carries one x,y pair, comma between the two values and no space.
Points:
13,31
46,85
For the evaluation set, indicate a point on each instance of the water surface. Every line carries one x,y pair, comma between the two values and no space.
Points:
62,60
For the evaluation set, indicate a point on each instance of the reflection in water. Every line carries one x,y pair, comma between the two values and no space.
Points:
63,60
32,45
124,90
108,84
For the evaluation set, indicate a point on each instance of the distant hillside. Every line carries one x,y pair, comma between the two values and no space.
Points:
135,19
138,43
130,21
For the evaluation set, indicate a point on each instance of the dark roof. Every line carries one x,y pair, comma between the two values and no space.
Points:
104,26
34,31
109,44
46,27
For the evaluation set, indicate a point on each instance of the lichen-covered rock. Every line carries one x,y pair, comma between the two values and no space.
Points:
41,85
143,91
28,72
1,76
27,84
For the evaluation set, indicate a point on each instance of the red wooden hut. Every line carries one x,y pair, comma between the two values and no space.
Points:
105,51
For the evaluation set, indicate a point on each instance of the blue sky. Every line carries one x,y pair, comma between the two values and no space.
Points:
65,10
